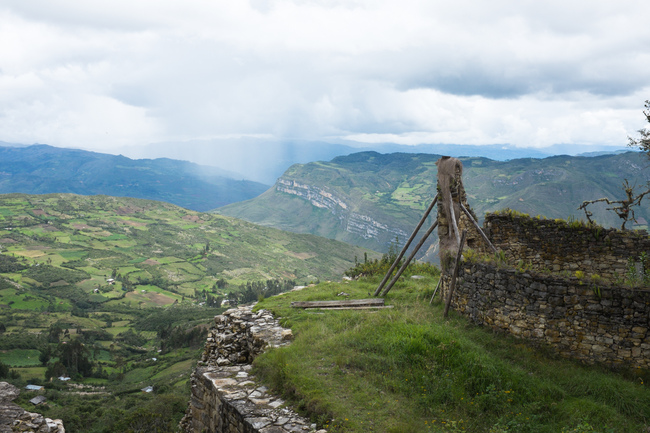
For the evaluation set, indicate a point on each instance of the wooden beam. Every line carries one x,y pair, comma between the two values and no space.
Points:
413,253
436,291
455,275
343,303
477,227
379,307
406,246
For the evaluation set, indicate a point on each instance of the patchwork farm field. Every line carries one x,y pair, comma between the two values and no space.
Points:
118,294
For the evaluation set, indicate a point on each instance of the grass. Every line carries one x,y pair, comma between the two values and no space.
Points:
407,369
173,372
20,357
31,373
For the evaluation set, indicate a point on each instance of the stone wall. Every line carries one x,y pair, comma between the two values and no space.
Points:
225,396
580,320
545,300
557,246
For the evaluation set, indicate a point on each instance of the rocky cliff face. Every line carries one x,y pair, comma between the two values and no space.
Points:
353,222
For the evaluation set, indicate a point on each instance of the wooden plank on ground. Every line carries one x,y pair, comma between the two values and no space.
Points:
339,304
377,307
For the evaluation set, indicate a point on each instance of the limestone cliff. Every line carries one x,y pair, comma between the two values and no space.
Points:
353,222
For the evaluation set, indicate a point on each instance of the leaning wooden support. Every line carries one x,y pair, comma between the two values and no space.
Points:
452,286
436,291
413,253
478,228
407,245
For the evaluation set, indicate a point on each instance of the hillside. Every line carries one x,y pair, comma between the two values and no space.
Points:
99,235
136,282
369,198
41,169
408,369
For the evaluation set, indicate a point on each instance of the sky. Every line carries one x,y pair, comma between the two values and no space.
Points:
103,75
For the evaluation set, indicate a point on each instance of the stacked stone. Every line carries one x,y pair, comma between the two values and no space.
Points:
225,396
577,318
239,335
555,246
30,422
14,418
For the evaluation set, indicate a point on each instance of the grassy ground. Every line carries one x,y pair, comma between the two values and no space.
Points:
20,357
407,369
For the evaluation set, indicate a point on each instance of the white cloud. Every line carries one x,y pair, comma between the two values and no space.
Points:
98,74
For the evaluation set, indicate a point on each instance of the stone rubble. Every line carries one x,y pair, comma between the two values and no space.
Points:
14,418
225,395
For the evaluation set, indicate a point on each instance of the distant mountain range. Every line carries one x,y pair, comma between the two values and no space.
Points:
369,199
366,198
264,160
41,169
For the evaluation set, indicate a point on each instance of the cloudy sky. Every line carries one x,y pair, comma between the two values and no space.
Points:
100,74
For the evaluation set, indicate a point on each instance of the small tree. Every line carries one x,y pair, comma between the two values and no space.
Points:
643,143
4,370
623,208
74,357
45,355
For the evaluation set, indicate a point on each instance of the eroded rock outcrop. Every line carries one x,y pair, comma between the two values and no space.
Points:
14,418
352,222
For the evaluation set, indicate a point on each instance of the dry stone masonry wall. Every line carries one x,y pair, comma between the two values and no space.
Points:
540,297
608,325
225,396
558,246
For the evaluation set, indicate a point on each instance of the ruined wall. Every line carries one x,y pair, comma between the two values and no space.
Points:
557,246
578,319
545,300
225,396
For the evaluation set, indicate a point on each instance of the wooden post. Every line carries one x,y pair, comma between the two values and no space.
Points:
413,253
407,245
436,291
452,287
477,227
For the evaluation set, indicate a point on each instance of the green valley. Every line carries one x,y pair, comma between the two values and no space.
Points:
117,294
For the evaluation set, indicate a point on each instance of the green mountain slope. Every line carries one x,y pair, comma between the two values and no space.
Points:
42,169
118,293
369,198
59,250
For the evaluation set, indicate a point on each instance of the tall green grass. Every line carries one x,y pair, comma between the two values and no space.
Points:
406,369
